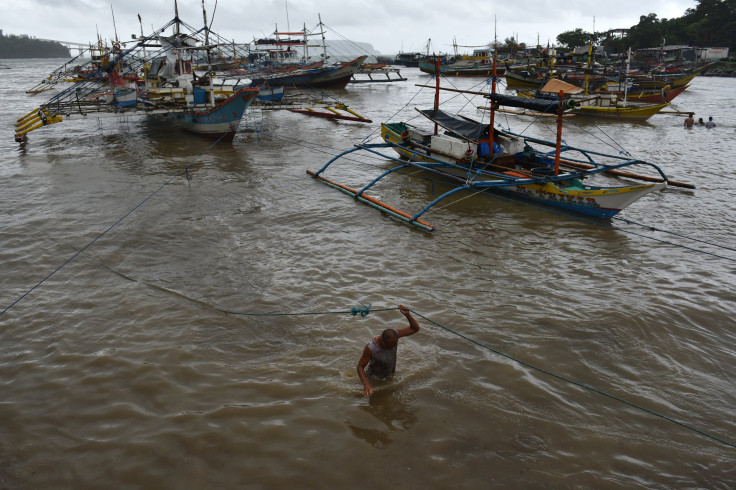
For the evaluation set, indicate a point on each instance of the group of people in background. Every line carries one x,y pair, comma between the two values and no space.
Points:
690,122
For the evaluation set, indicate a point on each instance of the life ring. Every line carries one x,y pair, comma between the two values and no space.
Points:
116,47
405,135
213,74
469,153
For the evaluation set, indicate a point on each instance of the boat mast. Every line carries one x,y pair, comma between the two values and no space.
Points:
305,58
176,17
140,21
558,143
590,64
322,31
492,123
209,61
114,26
437,91
626,78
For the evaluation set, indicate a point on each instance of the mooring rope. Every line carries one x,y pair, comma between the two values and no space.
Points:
576,383
680,235
355,311
184,171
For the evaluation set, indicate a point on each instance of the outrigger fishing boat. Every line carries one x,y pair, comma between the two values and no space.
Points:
475,156
169,88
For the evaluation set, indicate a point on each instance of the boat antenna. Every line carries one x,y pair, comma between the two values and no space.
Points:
288,26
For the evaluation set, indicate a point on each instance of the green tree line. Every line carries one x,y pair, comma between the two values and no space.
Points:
712,23
25,47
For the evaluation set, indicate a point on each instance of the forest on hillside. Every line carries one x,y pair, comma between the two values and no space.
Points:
712,23
15,47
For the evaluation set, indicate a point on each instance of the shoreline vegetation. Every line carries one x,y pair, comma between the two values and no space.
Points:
19,47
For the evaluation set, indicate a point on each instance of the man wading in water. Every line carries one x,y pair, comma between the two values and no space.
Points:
380,354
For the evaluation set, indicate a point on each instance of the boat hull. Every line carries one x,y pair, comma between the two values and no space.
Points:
334,77
220,121
630,113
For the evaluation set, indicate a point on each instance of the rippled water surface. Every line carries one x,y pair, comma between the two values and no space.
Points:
130,368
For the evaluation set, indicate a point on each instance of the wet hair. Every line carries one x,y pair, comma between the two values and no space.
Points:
389,334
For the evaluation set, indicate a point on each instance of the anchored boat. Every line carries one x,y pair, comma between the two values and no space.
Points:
475,156
167,86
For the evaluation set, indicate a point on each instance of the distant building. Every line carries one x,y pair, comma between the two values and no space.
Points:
678,53
714,54
617,33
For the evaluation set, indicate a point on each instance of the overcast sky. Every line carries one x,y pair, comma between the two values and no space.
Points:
388,25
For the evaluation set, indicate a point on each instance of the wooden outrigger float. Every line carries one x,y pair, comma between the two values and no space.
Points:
474,156
383,74
330,113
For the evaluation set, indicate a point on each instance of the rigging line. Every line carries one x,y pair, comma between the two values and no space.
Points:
675,244
616,143
577,383
652,228
353,311
185,171
604,225
370,135
616,147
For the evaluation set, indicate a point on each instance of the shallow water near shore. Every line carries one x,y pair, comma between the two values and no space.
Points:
124,369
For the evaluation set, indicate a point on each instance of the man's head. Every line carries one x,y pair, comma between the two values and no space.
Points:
390,338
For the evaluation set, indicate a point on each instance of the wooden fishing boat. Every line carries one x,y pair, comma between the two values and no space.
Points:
648,96
472,66
674,80
475,156
525,79
319,75
598,105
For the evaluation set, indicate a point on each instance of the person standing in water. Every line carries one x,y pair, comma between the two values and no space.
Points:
379,355
710,123
689,121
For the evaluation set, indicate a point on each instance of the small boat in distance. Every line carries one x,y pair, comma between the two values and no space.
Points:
479,64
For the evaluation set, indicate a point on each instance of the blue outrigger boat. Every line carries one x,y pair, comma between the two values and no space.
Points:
474,156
